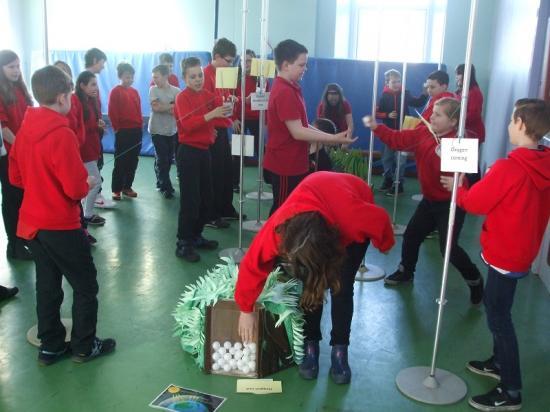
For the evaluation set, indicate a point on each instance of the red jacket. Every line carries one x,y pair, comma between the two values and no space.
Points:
90,150
46,164
345,201
76,119
12,115
125,108
474,120
189,109
210,86
515,196
420,141
427,113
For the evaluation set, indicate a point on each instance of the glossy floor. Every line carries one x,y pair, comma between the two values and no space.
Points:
140,281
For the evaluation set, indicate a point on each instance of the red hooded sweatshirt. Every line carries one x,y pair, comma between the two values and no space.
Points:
345,201
420,141
12,115
45,162
427,113
515,196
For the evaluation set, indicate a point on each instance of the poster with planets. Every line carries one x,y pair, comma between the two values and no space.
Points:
176,398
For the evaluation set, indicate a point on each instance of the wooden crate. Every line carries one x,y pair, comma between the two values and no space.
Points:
272,352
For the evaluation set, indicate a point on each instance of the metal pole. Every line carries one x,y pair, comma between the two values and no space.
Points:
238,253
46,41
442,387
256,225
374,100
397,228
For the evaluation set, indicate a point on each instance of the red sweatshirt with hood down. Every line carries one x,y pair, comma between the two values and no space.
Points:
515,196
45,162
345,201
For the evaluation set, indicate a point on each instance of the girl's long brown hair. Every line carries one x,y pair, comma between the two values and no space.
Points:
315,254
7,87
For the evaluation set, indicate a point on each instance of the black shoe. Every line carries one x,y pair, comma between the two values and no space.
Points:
46,358
386,185
201,243
8,293
496,400
168,194
391,191
485,368
233,216
218,224
94,220
99,347
398,277
92,240
309,368
188,253
476,292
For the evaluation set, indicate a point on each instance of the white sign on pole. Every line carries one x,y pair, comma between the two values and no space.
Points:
248,145
258,101
459,155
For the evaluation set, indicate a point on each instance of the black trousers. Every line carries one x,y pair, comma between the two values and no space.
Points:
282,187
127,149
430,215
59,253
164,152
196,195
12,197
341,302
222,174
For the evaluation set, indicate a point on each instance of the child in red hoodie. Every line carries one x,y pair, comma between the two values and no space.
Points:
433,211
436,86
126,119
197,113
45,162
320,234
515,196
389,111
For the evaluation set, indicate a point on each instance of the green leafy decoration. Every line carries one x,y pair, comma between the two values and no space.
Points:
350,161
280,297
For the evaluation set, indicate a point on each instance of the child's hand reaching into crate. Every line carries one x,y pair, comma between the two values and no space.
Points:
247,327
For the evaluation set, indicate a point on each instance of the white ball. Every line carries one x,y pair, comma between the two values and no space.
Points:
221,362
240,364
221,351
227,357
238,345
246,369
215,366
232,351
233,364
252,365
227,367
216,345
252,347
238,354
216,356
227,345
246,352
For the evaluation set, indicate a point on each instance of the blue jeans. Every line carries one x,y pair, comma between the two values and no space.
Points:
389,163
498,299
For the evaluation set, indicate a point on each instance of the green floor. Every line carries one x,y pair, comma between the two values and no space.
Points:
140,281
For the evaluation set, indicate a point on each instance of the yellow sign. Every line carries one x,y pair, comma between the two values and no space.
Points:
226,77
410,122
269,68
259,386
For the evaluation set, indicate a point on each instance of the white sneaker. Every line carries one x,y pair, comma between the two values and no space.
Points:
102,203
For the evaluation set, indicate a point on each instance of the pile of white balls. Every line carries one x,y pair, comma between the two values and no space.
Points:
237,358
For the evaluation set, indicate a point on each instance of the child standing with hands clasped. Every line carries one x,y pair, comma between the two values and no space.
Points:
198,112
45,162
125,115
433,210
515,197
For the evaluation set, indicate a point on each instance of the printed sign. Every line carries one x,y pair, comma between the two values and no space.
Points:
459,155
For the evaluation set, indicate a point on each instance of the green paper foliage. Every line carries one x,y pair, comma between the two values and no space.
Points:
279,298
350,161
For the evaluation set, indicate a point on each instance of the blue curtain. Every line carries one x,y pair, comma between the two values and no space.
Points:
354,76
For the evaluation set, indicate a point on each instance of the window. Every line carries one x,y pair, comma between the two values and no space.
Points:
392,30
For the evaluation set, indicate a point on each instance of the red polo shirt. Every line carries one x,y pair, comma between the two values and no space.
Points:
285,155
